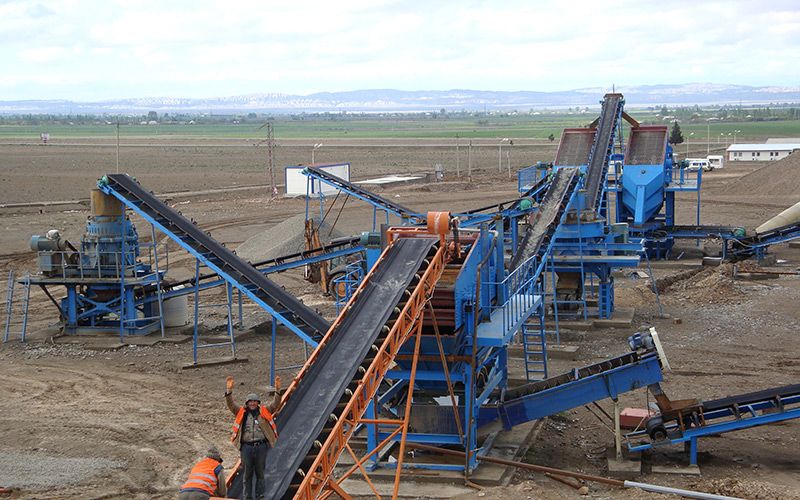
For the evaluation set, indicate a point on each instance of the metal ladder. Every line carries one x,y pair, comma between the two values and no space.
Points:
534,345
228,304
26,294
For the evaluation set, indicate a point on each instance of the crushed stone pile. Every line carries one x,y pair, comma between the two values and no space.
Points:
714,285
780,178
284,238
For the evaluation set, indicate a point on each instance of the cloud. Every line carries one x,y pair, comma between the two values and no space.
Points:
203,48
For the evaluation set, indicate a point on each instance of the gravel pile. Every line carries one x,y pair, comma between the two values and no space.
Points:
33,470
779,178
282,239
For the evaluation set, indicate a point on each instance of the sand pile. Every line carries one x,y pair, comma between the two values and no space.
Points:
780,178
282,239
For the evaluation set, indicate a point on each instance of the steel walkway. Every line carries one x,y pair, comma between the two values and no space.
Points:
302,320
321,394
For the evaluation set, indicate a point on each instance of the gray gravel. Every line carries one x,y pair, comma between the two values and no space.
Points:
35,470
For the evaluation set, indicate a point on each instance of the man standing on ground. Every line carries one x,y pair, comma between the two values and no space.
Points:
253,430
206,479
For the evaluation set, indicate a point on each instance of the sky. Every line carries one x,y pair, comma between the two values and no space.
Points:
97,50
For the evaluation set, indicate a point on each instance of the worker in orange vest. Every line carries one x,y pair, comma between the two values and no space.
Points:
254,430
206,479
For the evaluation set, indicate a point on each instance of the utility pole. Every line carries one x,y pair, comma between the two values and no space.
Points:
469,161
500,154
117,145
270,140
273,189
458,165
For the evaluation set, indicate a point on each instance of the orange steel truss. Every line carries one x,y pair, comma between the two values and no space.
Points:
319,481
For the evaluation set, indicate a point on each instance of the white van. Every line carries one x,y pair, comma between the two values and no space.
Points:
696,164
715,161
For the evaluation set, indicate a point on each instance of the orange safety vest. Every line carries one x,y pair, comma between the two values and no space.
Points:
203,476
265,414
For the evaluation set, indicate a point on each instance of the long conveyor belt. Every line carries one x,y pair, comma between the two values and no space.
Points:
296,257
244,276
323,392
554,203
775,393
360,192
601,148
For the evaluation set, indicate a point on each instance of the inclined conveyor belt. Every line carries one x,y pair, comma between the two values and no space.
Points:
241,271
601,148
552,207
775,393
747,247
296,257
578,387
360,192
306,416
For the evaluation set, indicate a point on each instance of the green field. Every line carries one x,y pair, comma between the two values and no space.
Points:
522,126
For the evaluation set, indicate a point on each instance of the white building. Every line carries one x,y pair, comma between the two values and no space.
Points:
760,152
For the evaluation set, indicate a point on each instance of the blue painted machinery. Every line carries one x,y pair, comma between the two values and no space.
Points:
686,421
105,278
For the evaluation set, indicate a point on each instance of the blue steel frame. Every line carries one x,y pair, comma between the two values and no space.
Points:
692,434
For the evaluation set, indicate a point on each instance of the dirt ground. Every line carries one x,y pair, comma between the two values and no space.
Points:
128,423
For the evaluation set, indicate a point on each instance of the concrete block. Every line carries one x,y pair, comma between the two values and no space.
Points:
568,352
625,469
691,470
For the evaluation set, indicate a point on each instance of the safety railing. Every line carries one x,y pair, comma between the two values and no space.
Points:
345,285
108,265
517,293
685,177
527,177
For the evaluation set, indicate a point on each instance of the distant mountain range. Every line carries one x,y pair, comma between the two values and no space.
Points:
386,100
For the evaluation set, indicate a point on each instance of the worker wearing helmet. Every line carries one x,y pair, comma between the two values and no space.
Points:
206,479
254,430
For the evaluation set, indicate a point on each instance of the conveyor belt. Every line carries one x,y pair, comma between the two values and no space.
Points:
601,149
246,276
552,207
751,397
306,417
277,261
566,378
360,192
747,247
606,379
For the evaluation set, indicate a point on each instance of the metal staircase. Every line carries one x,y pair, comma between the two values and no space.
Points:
11,326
